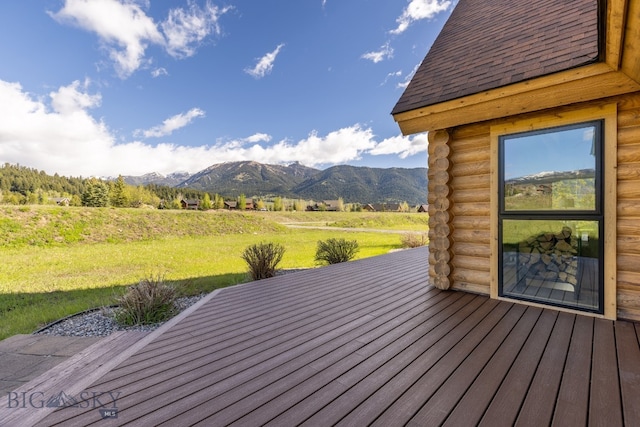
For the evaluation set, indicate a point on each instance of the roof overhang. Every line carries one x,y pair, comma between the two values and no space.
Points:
617,75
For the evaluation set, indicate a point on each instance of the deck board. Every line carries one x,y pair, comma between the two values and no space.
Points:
573,402
628,360
370,342
604,405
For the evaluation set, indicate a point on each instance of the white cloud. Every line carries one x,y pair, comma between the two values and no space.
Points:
123,27
171,124
418,10
264,64
259,137
395,74
186,28
385,52
403,146
159,72
69,99
404,83
66,140
57,134
126,31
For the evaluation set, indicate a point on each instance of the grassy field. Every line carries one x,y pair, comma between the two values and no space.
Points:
60,261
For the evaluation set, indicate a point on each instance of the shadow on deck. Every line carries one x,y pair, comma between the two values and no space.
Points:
369,342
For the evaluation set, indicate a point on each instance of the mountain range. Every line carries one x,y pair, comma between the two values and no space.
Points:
354,184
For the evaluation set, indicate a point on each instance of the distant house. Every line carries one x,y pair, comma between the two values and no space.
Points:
368,207
383,207
423,208
232,204
61,201
190,204
332,205
326,205
516,94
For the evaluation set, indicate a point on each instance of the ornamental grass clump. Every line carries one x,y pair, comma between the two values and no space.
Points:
263,259
414,240
150,301
333,251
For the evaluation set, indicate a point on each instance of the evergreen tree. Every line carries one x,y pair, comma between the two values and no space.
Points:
118,193
96,194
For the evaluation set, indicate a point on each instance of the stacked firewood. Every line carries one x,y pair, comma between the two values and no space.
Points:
551,256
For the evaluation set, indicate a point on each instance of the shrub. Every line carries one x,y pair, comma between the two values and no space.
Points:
263,259
150,301
414,240
333,251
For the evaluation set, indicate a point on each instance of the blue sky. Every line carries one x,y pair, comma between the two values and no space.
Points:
108,87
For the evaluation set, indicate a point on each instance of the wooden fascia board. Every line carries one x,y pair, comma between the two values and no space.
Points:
631,45
568,87
615,32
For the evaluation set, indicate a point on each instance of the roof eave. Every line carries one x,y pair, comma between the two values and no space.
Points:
617,75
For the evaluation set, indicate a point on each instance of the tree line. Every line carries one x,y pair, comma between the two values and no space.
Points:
20,185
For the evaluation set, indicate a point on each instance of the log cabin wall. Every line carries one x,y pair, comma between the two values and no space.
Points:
459,207
471,204
628,209
460,203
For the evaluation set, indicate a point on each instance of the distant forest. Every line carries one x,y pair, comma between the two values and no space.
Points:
20,185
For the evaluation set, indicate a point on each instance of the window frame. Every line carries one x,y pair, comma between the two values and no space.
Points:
607,114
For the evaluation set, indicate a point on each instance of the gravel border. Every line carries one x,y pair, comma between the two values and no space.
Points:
100,322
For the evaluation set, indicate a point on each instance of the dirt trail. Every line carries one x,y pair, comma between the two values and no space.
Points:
327,227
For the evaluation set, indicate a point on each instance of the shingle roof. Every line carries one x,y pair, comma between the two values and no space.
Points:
492,43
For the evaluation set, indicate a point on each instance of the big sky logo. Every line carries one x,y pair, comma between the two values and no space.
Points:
105,402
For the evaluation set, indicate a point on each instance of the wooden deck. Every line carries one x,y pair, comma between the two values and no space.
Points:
371,343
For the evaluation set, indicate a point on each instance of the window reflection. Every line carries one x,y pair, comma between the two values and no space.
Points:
551,170
553,261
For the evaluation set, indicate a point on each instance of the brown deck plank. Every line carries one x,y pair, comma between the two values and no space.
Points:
247,337
273,382
190,380
412,362
504,408
539,404
572,403
253,310
628,352
374,343
261,315
605,407
470,409
307,399
448,369
442,402
229,371
251,395
328,369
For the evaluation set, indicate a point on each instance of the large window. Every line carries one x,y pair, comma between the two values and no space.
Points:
551,216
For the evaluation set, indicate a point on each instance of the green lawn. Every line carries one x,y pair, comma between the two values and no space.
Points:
50,278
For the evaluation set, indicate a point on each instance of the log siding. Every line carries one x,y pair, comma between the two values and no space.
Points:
470,198
628,208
